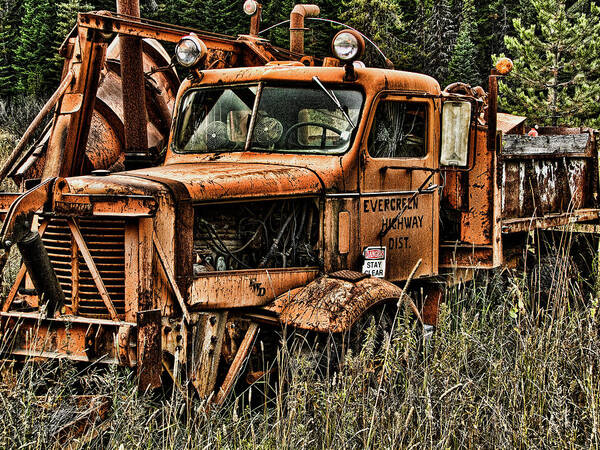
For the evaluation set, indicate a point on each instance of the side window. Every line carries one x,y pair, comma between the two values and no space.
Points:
399,130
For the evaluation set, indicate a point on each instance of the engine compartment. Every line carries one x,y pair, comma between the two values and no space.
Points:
255,235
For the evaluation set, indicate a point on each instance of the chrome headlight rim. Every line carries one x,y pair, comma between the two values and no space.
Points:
200,53
348,45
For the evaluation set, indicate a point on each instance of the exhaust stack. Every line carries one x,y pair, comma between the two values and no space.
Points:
297,25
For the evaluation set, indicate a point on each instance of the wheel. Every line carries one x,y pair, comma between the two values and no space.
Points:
371,332
294,127
325,354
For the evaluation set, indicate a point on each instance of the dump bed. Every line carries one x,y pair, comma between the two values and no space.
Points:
548,180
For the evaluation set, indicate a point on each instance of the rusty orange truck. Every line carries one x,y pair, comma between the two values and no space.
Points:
168,213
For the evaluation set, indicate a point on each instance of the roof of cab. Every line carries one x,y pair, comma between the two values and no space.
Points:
370,78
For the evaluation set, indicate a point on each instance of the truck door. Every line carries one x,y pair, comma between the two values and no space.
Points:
399,157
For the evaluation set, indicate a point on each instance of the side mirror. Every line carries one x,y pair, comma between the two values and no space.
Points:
456,123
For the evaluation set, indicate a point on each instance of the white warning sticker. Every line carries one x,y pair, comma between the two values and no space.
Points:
374,261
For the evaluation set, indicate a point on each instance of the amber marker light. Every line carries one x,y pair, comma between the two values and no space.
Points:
504,66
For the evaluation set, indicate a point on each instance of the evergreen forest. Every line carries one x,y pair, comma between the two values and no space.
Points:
554,43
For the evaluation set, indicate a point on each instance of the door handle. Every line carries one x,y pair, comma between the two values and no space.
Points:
407,168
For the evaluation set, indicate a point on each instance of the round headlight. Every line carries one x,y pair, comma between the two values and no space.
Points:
250,7
190,51
348,45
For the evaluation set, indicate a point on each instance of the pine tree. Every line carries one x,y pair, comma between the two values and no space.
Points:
107,5
10,21
66,14
557,63
35,63
382,22
463,65
416,15
171,11
275,12
439,38
319,35
217,16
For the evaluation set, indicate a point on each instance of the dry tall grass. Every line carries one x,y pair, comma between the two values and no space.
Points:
505,368
491,376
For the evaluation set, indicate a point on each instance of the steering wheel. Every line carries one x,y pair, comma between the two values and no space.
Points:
294,127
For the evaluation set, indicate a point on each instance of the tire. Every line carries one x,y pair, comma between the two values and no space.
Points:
325,355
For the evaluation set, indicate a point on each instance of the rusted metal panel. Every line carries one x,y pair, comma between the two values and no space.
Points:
149,354
331,304
217,181
411,237
344,232
168,271
244,288
341,223
240,357
409,220
132,273
523,224
59,338
431,306
477,220
206,342
104,205
65,154
467,257
547,175
541,147
145,258
180,228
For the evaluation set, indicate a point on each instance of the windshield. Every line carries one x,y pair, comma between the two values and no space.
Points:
215,119
288,120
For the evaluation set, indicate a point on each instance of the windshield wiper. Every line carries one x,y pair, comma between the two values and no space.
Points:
334,99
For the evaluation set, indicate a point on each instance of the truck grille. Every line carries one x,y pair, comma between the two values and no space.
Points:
105,239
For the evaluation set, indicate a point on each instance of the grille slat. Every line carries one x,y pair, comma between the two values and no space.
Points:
105,240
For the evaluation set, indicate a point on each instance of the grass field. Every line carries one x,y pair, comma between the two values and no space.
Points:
505,368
